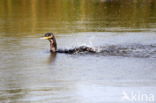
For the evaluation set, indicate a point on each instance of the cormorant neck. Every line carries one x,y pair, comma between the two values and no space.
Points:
53,45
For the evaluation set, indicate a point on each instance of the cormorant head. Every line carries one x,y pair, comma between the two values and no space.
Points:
51,38
48,36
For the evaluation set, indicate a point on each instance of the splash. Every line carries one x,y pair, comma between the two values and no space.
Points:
133,50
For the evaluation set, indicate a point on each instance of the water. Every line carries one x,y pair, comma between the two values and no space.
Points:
29,73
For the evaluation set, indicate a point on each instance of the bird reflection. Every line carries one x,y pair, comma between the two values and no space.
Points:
52,58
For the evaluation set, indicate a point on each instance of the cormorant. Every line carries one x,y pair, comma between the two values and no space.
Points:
53,46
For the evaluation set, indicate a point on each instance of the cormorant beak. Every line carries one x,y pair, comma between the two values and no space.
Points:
46,38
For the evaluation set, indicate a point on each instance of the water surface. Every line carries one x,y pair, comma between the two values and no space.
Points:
30,73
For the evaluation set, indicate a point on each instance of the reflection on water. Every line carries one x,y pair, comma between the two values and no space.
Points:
36,16
29,73
52,58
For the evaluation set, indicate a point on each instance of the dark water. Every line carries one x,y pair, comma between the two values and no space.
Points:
125,28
